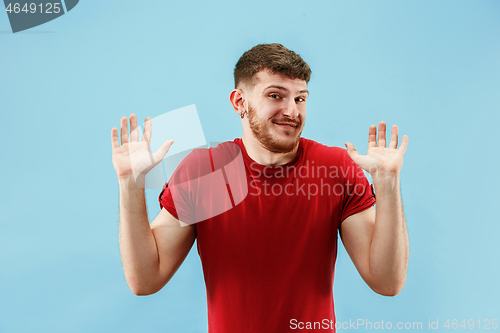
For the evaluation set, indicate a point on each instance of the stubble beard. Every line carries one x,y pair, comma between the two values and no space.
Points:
263,134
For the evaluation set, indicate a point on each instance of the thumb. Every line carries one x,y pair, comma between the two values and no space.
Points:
163,150
351,151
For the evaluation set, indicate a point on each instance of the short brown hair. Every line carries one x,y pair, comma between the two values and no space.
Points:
274,57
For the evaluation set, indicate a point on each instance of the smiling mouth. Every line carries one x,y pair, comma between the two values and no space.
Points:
286,125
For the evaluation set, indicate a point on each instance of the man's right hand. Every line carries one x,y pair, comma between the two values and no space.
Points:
133,159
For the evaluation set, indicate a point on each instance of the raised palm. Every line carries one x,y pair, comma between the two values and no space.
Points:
380,159
133,158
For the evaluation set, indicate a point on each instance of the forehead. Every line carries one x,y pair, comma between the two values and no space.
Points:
264,79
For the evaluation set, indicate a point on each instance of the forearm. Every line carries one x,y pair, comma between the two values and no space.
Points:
389,249
137,244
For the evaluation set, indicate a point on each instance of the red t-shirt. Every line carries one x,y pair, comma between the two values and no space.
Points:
267,235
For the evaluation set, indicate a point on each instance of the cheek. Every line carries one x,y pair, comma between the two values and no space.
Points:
303,112
268,112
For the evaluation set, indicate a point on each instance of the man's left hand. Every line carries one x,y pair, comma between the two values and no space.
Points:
379,159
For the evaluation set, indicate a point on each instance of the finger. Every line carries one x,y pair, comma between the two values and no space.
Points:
372,136
163,150
404,144
146,134
114,138
124,130
134,132
394,137
381,134
351,151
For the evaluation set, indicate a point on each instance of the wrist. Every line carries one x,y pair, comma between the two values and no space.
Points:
385,181
130,182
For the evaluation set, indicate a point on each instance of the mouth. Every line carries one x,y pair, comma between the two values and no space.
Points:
286,125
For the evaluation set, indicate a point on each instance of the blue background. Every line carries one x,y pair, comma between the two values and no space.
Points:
431,67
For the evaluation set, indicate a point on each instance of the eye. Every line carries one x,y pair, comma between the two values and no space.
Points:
300,99
275,96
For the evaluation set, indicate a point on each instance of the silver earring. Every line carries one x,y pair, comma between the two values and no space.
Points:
242,115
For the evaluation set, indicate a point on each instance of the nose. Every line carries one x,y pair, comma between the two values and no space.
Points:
290,109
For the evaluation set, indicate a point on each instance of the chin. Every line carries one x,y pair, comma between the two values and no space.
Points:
280,146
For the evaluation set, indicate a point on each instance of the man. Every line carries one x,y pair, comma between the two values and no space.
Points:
268,257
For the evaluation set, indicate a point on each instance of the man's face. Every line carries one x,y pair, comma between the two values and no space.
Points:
277,111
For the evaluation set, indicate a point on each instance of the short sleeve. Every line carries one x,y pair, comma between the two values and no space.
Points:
358,192
198,188
166,201
176,195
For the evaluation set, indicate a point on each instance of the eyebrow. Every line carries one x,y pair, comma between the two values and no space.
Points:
284,89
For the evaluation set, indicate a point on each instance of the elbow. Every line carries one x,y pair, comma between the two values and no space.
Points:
388,292
141,291
138,291
389,289
147,288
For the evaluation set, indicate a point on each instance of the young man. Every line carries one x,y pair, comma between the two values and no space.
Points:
268,244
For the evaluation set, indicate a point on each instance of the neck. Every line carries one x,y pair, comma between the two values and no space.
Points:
261,155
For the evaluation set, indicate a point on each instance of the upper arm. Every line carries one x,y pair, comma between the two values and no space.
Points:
356,232
173,242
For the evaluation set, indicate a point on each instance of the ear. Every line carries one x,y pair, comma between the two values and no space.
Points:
237,99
